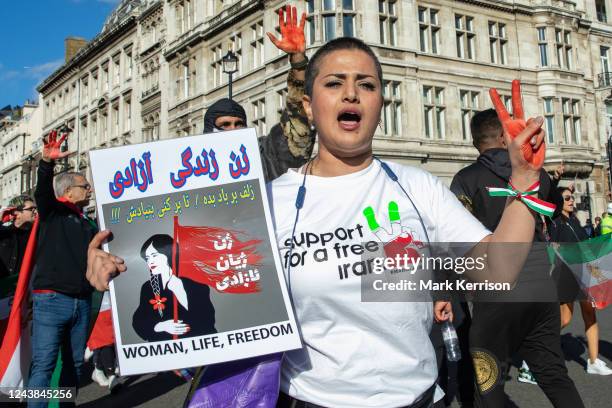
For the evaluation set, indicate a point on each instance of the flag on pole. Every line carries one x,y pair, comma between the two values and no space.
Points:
15,353
591,263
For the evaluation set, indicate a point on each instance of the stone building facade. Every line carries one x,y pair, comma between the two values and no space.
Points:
18,145
156,67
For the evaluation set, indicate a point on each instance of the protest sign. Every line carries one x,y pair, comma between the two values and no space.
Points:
204,283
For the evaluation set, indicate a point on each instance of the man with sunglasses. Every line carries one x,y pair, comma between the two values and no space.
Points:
61,294
14,234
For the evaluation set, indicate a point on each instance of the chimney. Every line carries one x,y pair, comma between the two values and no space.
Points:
73,45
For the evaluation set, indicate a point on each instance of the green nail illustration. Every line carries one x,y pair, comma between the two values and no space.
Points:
394,214
371,219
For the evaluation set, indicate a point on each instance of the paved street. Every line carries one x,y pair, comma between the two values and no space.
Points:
166,390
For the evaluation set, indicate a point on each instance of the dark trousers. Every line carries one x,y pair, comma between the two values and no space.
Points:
104,358
499,330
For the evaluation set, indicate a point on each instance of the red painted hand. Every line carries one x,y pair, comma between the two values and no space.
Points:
292,35
528,135
51,148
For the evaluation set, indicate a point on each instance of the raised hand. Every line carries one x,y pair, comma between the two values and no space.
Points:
520,135
51,149
7,215
292,39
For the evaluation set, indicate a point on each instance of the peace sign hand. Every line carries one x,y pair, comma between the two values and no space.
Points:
520,136
292,35
397,241
51,149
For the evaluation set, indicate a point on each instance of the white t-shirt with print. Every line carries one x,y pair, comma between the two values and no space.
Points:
359,354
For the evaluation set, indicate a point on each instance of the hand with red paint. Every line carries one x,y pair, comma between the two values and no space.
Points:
525,139
52,147
292,35
8,215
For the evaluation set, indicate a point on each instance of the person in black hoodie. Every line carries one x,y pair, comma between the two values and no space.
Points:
566,228
61,293
499,330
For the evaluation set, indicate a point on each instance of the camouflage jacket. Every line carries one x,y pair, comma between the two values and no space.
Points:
290,142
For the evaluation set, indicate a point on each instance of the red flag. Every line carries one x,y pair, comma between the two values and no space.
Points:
224,259
15,351
102,333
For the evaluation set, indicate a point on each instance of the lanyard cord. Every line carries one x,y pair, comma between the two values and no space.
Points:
394,177
299,203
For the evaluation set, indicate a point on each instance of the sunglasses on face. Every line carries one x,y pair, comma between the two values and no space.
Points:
84,186
33,209
568,198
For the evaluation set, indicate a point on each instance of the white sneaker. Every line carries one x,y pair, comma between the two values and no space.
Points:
99,378
113,381
598,367
88,354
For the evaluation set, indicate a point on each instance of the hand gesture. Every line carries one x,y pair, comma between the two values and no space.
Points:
51,149
397,241
520,136
102,267
292,35
7,215
443,311
559,171
177,328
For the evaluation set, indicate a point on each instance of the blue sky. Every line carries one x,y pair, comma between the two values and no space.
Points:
32,35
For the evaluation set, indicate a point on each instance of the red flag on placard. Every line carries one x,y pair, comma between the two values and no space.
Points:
224,259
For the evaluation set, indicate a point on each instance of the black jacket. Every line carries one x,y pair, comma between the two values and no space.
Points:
493,169
565,229
13,242
64,235
200,316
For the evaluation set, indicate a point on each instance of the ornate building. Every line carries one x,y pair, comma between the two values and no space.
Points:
18,143
157,65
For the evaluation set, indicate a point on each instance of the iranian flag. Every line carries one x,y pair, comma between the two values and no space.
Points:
15,353
591,263
102,334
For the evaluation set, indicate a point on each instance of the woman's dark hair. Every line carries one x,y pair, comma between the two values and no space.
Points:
163,244
561,190
342,43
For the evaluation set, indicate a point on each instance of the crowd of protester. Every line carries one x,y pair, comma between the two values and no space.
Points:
341,91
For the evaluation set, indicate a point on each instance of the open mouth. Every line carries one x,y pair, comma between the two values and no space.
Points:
349,119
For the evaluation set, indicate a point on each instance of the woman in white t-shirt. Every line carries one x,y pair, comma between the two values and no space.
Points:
358,353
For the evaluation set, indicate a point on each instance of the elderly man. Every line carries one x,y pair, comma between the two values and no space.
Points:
14,236
61,294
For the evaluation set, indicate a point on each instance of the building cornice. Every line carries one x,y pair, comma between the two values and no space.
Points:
214,25
148,12
99,42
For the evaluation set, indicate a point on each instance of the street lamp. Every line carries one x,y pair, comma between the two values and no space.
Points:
230,65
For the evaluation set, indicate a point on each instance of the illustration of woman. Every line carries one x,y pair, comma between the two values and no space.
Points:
154,318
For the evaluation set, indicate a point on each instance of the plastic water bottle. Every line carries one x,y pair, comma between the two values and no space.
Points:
451,341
